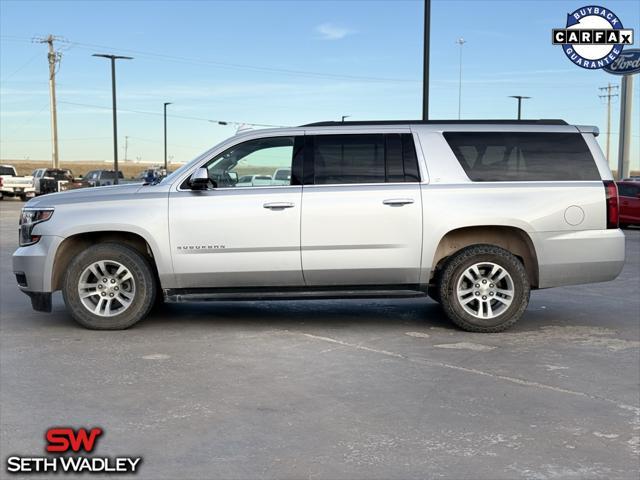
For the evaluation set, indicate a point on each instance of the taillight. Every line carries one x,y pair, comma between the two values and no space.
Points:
611,191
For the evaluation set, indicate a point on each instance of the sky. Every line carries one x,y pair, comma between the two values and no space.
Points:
283,63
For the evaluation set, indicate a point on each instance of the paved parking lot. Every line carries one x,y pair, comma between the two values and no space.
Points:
335,389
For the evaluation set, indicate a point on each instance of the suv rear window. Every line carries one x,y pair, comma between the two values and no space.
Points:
523,156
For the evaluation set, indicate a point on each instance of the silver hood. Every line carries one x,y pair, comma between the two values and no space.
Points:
82,195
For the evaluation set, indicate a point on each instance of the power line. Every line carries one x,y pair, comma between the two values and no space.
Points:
221,122
200,61
20,68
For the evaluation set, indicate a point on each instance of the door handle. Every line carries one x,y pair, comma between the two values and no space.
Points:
278,205
397,201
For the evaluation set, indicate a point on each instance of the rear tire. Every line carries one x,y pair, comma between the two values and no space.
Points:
484,288
109,286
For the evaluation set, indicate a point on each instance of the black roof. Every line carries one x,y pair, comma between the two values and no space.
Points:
437,122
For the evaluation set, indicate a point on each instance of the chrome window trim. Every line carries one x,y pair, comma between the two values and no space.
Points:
324,131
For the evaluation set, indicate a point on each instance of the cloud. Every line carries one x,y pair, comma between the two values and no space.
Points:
329,31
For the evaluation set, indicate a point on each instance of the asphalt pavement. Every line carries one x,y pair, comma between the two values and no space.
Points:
351,389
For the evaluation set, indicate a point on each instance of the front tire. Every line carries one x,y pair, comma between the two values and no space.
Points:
109,286
484,288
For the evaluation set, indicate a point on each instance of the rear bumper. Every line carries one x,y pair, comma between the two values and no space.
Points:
570,258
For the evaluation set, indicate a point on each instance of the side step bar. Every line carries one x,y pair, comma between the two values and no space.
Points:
226,294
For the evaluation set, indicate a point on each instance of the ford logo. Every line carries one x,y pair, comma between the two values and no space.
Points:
627,63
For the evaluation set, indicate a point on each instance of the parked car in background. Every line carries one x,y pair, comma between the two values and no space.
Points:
101,178
14,185
151,175
629,194
51,180
473,214
253,180
282,176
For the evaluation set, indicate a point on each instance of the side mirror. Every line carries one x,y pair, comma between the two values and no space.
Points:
200,180
233,176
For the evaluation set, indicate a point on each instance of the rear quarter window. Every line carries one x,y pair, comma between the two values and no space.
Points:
523,156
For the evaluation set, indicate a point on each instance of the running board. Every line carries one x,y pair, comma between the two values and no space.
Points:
225,294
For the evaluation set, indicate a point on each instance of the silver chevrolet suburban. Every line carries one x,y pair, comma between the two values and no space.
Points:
474,214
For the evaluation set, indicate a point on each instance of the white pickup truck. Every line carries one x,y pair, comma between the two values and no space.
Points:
13,185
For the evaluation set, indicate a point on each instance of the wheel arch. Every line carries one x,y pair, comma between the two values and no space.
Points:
74,244
512,239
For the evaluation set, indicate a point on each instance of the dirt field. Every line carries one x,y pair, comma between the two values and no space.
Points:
129,169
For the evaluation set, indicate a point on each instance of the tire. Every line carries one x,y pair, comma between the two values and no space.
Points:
487,291
123,300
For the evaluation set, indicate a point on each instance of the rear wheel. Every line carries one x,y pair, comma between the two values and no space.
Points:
484,288
109,287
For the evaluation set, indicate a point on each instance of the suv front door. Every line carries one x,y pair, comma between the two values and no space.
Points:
361,212
238,234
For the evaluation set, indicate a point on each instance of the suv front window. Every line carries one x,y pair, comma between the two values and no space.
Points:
252,163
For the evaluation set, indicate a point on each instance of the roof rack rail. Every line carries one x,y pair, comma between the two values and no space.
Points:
435,122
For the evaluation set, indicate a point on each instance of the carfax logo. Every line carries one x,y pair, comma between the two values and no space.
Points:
66,441
593,37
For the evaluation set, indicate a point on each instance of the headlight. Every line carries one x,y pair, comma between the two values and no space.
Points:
30,217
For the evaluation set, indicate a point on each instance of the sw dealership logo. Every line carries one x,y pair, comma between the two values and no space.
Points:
67,441
593,37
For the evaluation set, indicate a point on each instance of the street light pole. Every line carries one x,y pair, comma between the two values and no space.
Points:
461,41
425,59
519,98
165,134
344,116
113,59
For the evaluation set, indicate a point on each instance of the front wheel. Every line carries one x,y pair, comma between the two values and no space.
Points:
484,288
109,286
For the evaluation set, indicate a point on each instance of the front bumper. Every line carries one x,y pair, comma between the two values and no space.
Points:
35,262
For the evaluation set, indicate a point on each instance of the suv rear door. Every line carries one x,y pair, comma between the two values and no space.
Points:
361,209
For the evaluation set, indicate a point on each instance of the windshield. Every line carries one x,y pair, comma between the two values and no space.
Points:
7,171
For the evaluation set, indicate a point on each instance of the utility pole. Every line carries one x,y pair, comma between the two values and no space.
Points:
165,134
519,98
425,61
126,146
54,60
461,41
609,88
113,59
624,146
